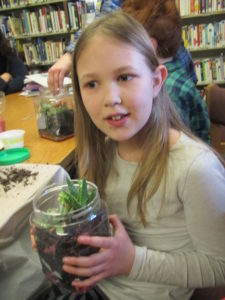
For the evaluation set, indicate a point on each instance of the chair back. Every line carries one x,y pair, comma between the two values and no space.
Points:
215,100
217,293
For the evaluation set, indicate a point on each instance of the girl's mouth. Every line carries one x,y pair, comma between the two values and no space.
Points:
117,120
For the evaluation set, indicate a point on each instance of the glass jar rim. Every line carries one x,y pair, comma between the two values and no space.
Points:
79,212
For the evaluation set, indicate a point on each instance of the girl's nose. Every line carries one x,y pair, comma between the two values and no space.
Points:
112,95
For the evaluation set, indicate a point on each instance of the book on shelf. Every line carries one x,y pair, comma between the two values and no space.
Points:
196,7
73,15
17,3
27,22
30,25
210,69
81,13
210,35
43,52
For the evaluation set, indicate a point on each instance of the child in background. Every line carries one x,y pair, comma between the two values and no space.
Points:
12,69
165,186
162,21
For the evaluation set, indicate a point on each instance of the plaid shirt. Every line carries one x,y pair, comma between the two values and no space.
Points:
187,98
106,7
186,60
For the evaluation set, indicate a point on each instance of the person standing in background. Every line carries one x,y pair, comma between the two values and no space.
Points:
63,66
12,68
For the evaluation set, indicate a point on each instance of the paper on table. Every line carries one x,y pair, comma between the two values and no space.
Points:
16,204
42,79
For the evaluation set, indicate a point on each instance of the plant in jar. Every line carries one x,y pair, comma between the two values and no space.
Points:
59,217
55,119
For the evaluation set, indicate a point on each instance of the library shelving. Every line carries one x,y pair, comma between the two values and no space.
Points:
42,29
203,33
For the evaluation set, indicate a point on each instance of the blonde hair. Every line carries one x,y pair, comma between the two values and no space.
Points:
94,154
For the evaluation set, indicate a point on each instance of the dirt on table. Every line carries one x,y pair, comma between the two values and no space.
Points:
9,177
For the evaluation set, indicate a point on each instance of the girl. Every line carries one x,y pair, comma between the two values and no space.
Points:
12,69
166,187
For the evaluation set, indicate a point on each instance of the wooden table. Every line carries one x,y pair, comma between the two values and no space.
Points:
20,114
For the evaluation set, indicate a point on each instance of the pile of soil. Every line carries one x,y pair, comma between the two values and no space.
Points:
11,176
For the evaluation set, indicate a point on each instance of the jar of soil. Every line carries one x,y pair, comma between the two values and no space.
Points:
56,233
54,114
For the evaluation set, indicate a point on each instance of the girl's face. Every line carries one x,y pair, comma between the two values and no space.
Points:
117,87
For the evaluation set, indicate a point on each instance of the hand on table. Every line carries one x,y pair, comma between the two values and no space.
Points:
116,257
6,77
58,71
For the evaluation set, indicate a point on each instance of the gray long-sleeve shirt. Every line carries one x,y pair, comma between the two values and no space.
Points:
185,247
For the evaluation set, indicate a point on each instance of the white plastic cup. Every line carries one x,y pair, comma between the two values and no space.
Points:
12,138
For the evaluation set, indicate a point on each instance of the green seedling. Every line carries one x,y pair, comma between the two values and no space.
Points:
75,197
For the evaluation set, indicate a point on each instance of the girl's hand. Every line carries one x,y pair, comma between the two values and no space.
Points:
33,243
116,257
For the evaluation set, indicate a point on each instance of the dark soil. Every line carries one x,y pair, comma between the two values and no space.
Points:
9,177
52,247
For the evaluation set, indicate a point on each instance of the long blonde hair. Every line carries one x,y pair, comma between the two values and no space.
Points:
94,154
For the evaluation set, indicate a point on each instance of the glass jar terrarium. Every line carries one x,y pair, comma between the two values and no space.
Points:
54,114
56,232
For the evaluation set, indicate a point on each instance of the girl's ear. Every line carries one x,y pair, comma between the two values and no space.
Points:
154,43
160,76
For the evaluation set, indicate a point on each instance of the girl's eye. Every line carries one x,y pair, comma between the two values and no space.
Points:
92,84
125,77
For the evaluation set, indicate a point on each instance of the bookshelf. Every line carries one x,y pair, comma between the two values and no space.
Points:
42,29
203,33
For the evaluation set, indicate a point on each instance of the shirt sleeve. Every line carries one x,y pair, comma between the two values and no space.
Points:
186,60
203,197
18,72
3,85
198,116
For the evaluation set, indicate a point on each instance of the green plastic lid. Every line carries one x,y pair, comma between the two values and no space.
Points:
14,155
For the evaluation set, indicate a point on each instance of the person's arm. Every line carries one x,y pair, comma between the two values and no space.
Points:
62,67
203,199
3,84
17,71
58,71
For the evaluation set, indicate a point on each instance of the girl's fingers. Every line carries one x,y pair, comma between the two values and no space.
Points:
114,219
102,242
33,243
91,281
84,272
96,241
87,261
61,78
